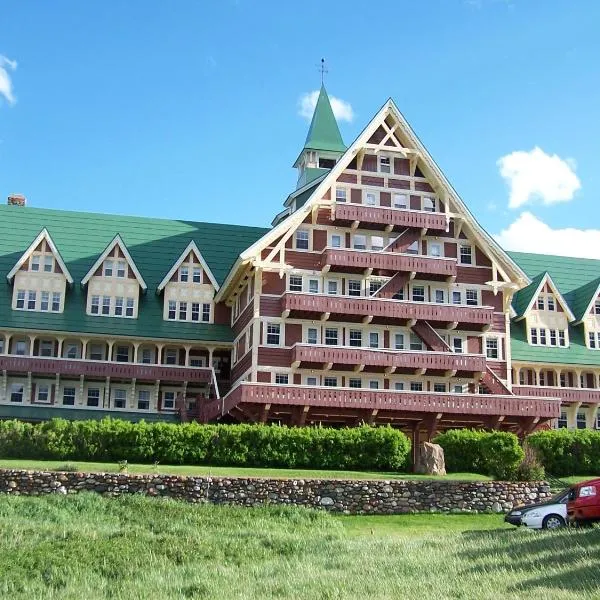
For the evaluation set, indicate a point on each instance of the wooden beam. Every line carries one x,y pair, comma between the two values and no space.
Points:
303,416
264,415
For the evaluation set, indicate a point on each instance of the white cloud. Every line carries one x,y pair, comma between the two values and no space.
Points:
6,90
536,175
341,109
529,234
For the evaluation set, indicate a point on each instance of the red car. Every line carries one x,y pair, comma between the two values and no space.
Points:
583,506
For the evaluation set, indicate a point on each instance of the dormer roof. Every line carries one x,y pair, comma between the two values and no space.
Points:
525,298
191,247
116,242
42,235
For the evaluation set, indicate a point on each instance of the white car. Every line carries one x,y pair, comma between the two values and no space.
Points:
549,515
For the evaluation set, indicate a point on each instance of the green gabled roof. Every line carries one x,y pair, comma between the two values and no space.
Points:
324,133
154,245
576,353
581,298
523,297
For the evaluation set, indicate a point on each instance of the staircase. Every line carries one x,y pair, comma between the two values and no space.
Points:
430,337
392,286
493,384
404,240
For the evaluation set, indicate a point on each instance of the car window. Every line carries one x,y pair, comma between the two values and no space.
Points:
560,498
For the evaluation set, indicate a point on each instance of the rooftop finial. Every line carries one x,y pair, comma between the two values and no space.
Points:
322,70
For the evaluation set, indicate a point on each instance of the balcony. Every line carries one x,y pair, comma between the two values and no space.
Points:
585,395
388,400
356,261
40,365
380,217
299,305
379,359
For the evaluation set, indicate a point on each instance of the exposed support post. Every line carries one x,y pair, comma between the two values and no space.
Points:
416,440
264,415
136,348
303,415
81,390
132,393
106,398
28,391
156,394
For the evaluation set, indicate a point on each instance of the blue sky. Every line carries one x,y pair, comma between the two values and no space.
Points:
191,109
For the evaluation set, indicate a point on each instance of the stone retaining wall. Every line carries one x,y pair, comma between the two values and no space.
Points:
348,496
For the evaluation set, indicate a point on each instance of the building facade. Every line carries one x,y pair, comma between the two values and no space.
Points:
374,297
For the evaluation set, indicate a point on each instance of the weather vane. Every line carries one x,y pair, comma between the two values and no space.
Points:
322,70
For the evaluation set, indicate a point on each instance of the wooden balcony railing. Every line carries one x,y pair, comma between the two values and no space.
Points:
565,394
91,368
400,359
388,216
427,402
357,260
402,310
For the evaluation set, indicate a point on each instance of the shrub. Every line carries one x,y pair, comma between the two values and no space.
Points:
568,451
113,440
530,469
494,453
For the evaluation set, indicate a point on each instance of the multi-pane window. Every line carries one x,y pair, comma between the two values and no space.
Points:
374,286
416,386
359,242
46,348
400,200
466,255
195,311
561,338
55,301
35,262
44,301
373,339
533,333
68,398
96,352
373,384
332,287
20,299
581,420
129,307
491,348
376,243
439,387
418,293
543,337
399,341
457,345
20,348
592,339
172,314
295,283
597,307
553,339
72,351
384,164
336,241
119,306
434,249
415,342
31,298
93,397
355,338
168,402
370,198
341,194
106,305
184,274
302,239
399,295
312,336
273,333
147,356
399,386
311,381
206,313
48,263
122,354
472,297
550,303
108,268
95,305
119,398
540,303
183,311
562,420
196,278
355,382
43,393
440,296
143,402
121,269
330,381
456,297
354,287
429,204
16,392
331,336
313,286
281,378
171,356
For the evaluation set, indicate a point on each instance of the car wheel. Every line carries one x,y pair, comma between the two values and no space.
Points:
553,522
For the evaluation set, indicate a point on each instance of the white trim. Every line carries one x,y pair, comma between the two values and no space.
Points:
117,241
191,247
547,279
43,235
589,306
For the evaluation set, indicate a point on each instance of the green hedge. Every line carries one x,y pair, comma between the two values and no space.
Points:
494,453
568,451
111,440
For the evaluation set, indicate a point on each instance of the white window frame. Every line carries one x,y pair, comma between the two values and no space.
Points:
471,254
383,168
371,194
276,330
299,236
398,203
341,194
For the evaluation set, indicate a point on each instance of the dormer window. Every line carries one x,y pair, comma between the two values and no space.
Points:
108,268
550,303
541,305
184,274
385,164
35,262
48,263
121,269
197,275
20,299
597,307
31,298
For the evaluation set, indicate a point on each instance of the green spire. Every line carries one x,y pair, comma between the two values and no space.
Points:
324,133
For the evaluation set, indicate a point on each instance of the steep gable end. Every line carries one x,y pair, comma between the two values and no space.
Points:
524,299
43,241
191,248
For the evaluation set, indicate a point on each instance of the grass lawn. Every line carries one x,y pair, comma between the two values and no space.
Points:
86,546
50,465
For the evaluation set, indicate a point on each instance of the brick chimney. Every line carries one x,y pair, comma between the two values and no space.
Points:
17,200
